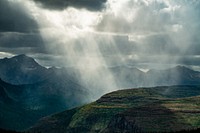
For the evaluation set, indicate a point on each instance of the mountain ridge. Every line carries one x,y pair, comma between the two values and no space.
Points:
131,110
21,105
21,69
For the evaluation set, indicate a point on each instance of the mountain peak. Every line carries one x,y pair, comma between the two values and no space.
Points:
21,69
21,56
23,59
183,68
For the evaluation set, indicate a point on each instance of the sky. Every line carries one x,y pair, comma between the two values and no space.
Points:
92,33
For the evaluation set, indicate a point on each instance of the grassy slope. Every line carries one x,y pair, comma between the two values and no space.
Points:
160,109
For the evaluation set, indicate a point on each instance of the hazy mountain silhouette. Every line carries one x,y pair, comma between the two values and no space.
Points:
128,77
22,105
178,75
22,69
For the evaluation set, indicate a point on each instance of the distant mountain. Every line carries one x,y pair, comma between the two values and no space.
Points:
22,105
22,69
128,77
178,75
29,91
158,109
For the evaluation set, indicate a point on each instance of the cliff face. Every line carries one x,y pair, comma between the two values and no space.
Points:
159,109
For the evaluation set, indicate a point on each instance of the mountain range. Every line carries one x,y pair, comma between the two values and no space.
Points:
37,92
128,77
29,91
22,69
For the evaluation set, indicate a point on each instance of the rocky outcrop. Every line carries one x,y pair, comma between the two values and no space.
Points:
120,124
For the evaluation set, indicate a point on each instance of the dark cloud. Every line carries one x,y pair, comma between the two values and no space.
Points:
15,40
13,18
93,5
18,30
22,50
190,60
15,43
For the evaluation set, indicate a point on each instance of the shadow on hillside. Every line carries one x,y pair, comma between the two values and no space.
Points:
148,118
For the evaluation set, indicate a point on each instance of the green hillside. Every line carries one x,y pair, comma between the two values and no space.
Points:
159,109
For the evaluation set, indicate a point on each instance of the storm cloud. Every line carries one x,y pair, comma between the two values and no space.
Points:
19,31
14,18
93,5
